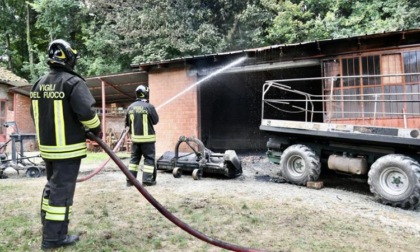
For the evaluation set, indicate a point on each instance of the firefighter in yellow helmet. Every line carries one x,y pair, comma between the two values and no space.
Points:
62,110
141,117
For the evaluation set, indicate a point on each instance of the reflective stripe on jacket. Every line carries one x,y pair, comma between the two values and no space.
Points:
62,107
140,117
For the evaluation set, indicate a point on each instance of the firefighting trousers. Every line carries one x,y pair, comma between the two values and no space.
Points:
57,197
147,150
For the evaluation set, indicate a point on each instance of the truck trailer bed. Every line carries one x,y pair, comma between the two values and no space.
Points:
353,133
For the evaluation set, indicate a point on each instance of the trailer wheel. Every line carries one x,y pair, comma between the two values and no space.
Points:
197,174
33,172
177,172
395,180
299,164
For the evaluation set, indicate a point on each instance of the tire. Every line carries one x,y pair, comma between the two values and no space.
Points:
395,180
299,164
2,175
177,172
33,172
197,174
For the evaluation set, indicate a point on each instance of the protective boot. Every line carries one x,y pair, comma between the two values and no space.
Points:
128,181
67,241
149,179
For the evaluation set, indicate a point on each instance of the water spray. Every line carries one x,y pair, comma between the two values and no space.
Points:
234,63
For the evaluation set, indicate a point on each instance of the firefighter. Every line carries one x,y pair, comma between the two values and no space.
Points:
62,110
140,118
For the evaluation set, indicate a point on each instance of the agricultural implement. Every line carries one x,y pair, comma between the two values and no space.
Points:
200,161
373,136
18,161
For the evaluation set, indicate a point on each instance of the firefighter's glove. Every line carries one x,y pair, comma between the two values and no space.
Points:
96,131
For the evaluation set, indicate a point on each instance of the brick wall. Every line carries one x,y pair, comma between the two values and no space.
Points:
19,112
179,117
22,114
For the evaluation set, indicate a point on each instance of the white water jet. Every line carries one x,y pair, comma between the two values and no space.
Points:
236,62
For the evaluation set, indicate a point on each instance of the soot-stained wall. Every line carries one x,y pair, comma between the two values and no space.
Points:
230,107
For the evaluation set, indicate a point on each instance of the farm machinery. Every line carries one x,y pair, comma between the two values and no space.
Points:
199,161
373,136
17,159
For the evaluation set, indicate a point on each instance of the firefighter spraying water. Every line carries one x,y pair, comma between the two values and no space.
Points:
140,118
165,157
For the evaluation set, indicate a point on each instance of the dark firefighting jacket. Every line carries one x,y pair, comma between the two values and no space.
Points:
62,110
140,117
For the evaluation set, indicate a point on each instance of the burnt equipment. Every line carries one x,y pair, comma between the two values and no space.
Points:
200,161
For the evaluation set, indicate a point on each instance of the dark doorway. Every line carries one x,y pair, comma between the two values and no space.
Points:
230,107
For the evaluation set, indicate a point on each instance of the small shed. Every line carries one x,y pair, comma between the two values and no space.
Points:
223,108
11,100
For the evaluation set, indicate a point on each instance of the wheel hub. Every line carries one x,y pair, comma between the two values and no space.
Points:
394,181
297,164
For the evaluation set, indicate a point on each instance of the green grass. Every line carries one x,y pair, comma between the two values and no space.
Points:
111,217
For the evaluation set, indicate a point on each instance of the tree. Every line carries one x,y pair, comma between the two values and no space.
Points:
308,20
12,29
110,35
249,28
292,23
152,31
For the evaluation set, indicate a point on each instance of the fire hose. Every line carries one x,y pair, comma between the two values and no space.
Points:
162,209
101,166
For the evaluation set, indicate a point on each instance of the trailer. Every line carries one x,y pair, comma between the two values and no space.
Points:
372,134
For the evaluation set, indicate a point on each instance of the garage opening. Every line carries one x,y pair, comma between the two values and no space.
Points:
230,107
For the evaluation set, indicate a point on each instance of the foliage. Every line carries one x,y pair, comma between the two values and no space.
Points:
12,29
150,30
249,28
111,35
308,20
58,17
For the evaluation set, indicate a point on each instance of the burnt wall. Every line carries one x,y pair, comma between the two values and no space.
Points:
230,107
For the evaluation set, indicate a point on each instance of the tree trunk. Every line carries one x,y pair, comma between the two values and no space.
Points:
29,42
9,55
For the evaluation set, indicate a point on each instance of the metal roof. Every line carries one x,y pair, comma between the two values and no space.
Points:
317,43
119,88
